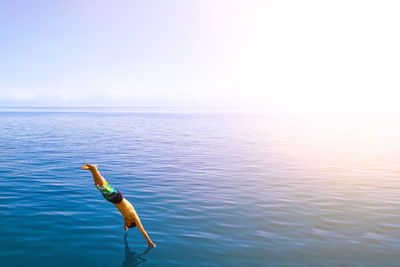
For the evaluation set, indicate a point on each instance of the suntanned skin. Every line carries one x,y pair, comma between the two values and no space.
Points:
125,207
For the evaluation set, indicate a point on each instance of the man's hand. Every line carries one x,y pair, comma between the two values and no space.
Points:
125,224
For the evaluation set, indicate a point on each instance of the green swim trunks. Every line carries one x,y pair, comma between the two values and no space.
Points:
109,193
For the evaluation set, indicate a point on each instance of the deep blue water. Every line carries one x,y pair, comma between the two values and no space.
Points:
210,189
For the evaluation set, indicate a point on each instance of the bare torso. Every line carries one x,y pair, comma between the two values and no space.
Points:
127,210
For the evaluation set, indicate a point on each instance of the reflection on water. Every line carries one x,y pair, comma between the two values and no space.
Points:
131,257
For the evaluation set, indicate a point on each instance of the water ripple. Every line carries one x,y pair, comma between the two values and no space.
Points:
211,190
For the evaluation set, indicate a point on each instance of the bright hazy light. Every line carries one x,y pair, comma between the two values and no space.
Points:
271,56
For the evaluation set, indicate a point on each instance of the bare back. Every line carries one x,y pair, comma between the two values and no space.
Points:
127,210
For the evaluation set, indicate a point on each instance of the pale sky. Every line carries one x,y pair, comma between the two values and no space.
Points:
269,55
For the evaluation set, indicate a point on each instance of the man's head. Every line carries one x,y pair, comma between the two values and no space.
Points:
131,224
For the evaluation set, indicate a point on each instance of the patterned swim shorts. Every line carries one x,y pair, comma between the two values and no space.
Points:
111,194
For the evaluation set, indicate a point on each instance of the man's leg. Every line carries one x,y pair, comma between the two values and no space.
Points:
98,179
108,192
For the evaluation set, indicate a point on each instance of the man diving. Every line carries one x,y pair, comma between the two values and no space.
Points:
131,219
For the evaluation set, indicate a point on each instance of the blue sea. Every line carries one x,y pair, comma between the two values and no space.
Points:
211,188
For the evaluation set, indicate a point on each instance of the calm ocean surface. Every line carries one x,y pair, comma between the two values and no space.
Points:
210,189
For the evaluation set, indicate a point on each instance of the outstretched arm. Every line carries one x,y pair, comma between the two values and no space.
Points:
130,215
141,229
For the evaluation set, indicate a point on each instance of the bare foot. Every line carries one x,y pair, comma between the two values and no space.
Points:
89,167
